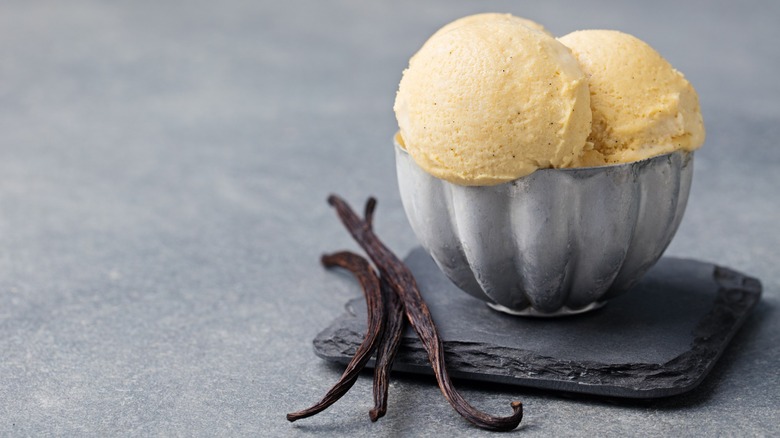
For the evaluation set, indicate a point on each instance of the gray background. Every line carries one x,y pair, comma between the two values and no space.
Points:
163,174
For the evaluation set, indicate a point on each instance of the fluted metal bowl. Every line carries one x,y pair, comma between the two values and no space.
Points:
555,242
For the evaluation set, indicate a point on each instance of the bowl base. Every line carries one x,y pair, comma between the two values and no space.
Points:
563,311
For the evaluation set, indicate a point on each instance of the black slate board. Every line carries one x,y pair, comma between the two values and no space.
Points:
659,339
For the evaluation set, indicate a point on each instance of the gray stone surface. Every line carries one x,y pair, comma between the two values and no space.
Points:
162,211
658,340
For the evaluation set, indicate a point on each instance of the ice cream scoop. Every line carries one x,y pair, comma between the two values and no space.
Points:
642,106
491,100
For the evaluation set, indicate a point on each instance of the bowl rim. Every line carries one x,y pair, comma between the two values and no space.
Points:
588,169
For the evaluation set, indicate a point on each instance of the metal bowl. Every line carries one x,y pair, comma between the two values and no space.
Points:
555,242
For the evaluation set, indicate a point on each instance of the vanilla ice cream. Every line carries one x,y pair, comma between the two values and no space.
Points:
491,100
642,106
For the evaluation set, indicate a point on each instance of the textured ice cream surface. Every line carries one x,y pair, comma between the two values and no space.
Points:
642,106
491,100
491,17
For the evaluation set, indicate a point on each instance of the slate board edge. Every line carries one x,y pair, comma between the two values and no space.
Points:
736,296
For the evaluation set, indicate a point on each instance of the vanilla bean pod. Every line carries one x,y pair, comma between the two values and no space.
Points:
395,321
403,283
369,281
388,347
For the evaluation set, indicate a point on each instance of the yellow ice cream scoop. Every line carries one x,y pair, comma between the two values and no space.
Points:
491,100
642,106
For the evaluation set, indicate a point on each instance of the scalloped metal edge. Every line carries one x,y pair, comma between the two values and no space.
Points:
555,241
